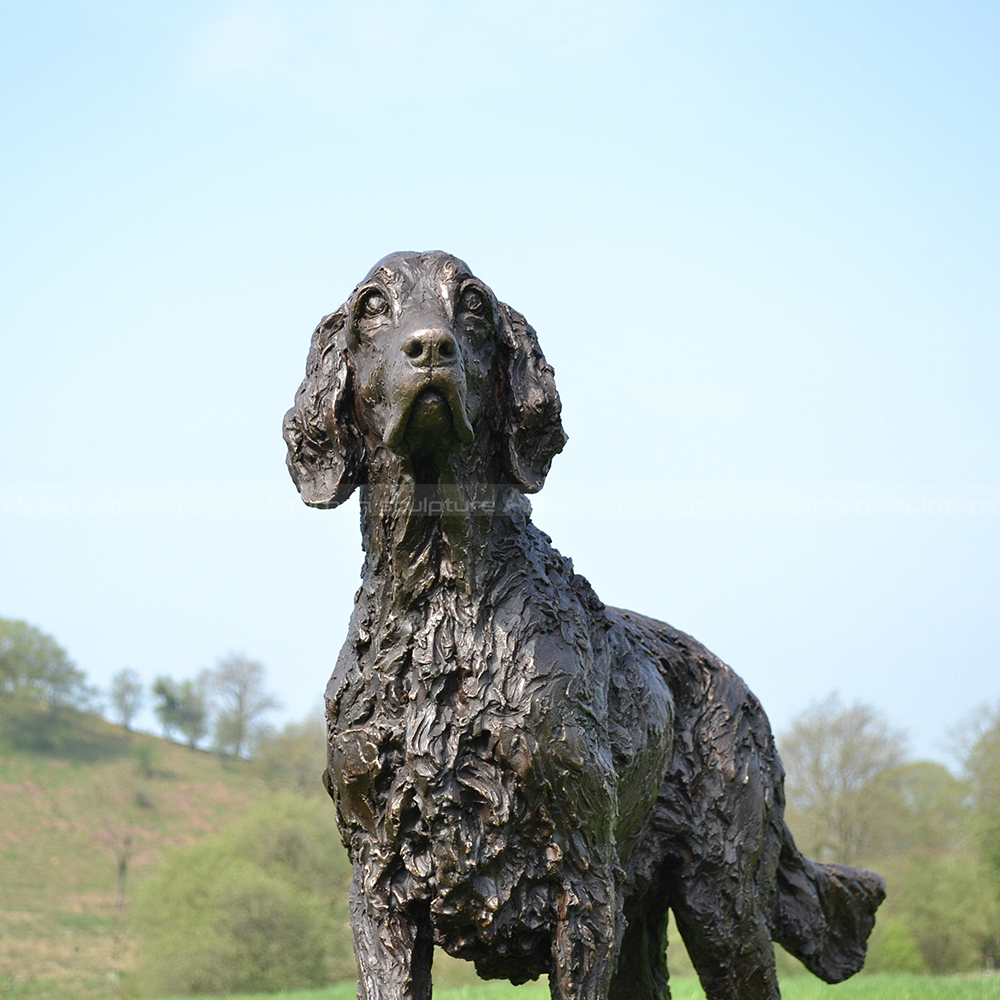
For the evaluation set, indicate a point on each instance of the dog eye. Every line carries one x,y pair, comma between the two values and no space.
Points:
472,299
374,305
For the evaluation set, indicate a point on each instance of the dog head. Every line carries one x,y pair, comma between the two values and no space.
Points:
421,360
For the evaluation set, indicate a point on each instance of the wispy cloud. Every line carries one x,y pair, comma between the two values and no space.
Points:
247,41
332,50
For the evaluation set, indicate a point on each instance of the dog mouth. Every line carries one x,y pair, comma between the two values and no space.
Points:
429,414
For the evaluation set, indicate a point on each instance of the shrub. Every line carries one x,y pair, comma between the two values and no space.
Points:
293,758
949,908
891,948
260,907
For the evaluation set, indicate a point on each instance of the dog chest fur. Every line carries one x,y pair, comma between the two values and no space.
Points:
468,756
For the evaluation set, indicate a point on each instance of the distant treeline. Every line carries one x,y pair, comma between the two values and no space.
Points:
225,704
855,796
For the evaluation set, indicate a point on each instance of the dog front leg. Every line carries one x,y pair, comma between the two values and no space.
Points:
586,938
394,951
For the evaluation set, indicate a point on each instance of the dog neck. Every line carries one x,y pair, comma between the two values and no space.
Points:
438,521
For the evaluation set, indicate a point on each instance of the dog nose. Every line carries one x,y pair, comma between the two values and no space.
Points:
430,346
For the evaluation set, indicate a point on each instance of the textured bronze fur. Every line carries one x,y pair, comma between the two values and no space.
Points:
524,776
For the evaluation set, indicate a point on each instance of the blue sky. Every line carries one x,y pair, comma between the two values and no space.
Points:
759,243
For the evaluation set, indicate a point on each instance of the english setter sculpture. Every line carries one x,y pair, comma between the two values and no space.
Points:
522,775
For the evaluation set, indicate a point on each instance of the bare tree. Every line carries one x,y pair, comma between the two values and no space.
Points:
837,761
127,695
238,685
120,796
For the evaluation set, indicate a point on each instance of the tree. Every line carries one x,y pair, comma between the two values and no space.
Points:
192,717
923,808
978,743
238,684
127,695
837,760
33,665
182,706
168,707
293,758
979,747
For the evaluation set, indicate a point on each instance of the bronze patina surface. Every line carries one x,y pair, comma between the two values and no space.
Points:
522,775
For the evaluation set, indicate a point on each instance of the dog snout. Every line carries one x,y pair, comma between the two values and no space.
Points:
430,347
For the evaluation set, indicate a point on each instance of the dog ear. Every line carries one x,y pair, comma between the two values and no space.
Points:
534,433
326,454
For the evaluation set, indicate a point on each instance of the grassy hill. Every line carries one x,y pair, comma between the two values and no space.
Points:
77,794
77,797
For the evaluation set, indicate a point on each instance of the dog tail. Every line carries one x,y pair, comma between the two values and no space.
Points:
822,913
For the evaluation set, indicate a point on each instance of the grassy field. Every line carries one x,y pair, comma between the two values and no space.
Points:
874,987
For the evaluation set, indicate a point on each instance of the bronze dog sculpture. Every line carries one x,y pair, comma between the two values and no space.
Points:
522,775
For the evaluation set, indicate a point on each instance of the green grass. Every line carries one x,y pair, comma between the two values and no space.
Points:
882,986
874,987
